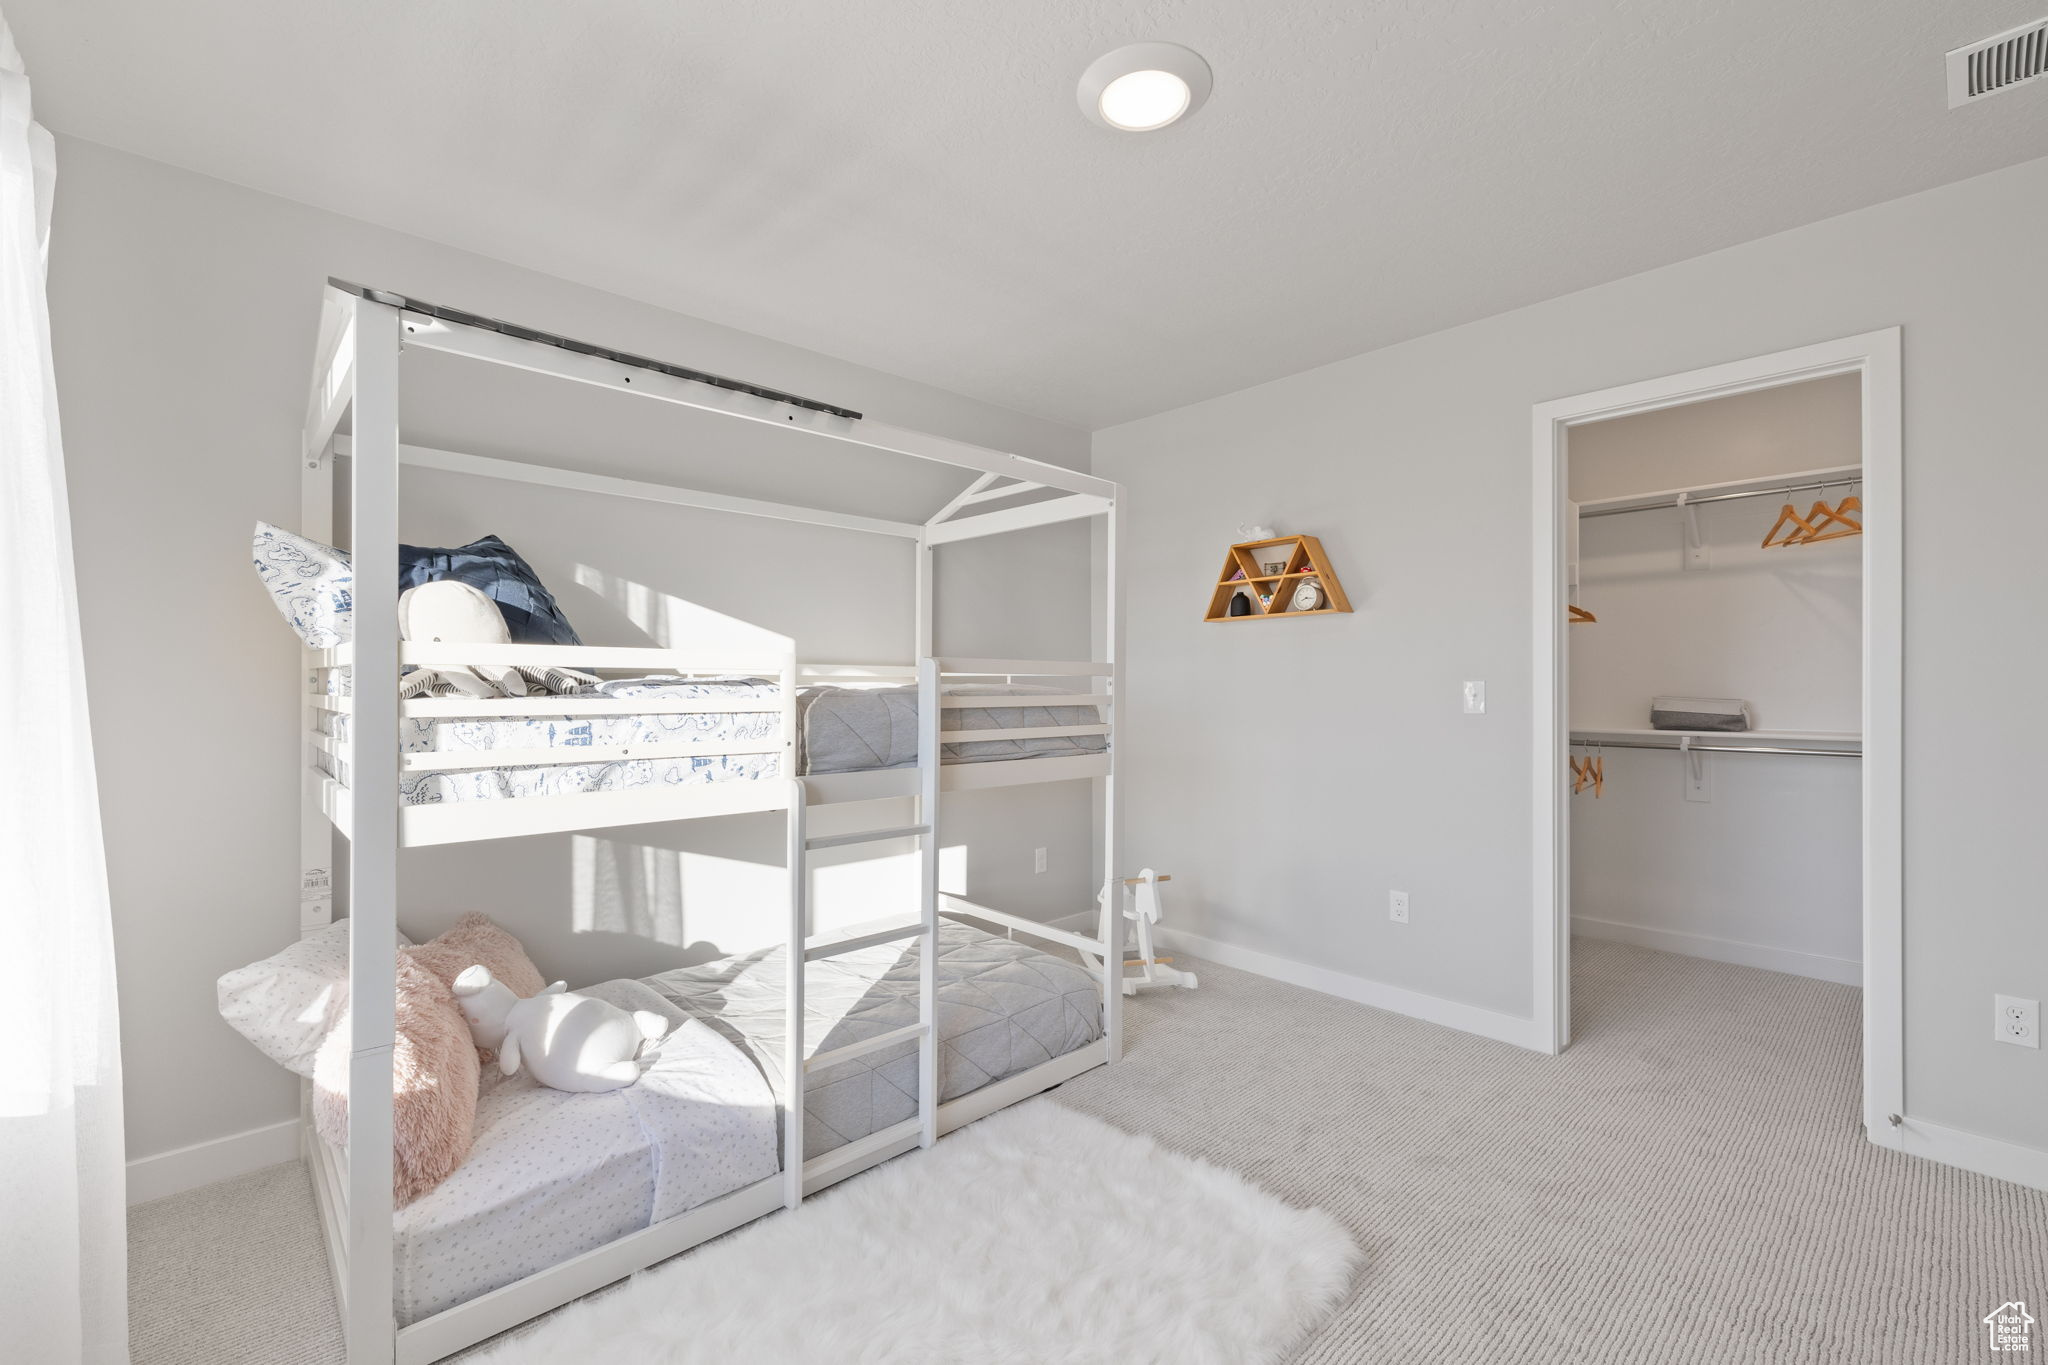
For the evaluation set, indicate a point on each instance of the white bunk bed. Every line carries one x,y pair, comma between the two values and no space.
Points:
352,778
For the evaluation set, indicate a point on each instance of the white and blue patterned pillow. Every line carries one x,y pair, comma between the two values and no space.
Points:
311,583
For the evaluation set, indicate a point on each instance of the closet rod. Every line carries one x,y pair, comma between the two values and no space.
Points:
1774,491
1713,748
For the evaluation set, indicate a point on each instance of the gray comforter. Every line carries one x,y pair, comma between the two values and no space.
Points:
851,729
1003,1007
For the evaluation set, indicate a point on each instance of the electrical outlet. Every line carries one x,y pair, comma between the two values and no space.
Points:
1038,860
2017,1021
1475,698
1397,906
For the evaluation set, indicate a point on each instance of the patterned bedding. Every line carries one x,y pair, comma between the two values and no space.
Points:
553,1175
841,729
419,735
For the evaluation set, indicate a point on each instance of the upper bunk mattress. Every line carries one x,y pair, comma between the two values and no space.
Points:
419,735
851,729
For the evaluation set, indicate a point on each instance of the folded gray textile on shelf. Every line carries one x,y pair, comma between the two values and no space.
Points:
1699,713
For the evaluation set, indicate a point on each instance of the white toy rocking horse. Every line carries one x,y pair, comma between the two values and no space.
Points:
1140,898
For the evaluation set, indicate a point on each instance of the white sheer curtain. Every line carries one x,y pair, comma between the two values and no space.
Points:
63,1250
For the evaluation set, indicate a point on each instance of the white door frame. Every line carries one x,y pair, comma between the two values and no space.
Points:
1874,356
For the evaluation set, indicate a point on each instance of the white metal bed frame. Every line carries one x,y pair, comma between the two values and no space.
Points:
356,377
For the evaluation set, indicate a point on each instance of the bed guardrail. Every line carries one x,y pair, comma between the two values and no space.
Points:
961,908
1001,672
1015,672
461,821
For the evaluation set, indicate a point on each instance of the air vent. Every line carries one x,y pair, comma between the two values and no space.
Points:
1996,64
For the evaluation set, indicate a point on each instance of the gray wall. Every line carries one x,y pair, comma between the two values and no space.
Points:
184,310
1290,775
1745,436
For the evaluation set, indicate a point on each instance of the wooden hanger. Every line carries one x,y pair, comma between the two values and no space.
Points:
1578,616
1802,527
1590,771
1839,514
1815,515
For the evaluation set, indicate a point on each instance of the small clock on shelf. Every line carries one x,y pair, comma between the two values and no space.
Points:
1307,597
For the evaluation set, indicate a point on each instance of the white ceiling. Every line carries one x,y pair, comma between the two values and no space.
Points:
909,185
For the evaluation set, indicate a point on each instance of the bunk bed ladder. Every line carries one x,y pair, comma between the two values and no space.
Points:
806,947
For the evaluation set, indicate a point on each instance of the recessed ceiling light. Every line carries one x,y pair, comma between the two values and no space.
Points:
1144,87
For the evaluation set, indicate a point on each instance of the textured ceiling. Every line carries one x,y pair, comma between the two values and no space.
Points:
910,186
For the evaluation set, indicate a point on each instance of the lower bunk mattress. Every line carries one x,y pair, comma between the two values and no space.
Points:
552,1175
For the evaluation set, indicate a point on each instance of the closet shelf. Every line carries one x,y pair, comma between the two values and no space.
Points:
1666,497
1724,736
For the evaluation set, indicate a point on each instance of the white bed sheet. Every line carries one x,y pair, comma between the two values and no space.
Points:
553,1175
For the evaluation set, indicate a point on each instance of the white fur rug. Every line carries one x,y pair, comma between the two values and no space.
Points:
1038,1236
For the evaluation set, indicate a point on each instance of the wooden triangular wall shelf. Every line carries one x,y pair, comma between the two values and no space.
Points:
1271,595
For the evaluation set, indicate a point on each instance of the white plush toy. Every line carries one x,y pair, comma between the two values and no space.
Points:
447,611
568,1041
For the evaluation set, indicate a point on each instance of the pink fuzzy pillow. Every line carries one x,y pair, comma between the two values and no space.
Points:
474,941
434,1072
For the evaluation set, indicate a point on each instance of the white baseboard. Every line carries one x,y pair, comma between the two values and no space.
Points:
1970,1151
1845,971
1434,1009
187,1168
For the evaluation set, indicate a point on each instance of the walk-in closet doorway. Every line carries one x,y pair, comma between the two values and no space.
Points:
1652,513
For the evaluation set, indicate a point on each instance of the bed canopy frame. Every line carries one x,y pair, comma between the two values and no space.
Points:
356,379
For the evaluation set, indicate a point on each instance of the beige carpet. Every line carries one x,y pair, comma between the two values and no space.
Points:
232,1274
1687,1184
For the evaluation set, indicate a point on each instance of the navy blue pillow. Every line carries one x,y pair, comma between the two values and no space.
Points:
495,569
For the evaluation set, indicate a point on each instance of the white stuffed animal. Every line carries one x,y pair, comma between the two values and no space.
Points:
445,610
448,612
568,1041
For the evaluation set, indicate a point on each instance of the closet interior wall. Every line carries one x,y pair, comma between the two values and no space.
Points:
1766,870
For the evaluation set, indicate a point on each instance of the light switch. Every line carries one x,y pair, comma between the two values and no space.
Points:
1475,698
